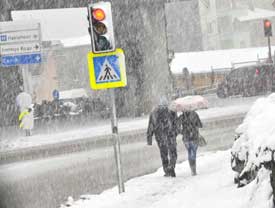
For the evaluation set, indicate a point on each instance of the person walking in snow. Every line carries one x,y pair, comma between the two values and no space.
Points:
189,125
162,124
26,119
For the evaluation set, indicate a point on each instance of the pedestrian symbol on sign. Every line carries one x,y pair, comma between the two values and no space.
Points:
107,70
107,73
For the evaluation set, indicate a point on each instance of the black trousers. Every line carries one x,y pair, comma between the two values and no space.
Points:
168,151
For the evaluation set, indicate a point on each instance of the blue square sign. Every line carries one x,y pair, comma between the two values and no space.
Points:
3,38
107,69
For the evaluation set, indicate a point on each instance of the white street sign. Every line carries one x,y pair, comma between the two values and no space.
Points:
19,36
20,43
14,49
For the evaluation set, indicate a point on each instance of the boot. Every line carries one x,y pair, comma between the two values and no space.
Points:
192,164
172,172
195,168
166,172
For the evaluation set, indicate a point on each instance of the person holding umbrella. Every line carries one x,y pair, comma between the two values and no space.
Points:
189,124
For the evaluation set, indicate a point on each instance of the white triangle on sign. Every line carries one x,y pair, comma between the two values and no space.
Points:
107,73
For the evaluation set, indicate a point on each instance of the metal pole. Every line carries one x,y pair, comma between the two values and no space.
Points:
272,74
25,79
269,50
116,140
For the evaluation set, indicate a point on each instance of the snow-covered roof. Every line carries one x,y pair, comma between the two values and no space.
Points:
79,41
58,24
256,14
204,61
74,93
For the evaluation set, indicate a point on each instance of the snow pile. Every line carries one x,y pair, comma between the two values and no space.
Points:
260,191
213,187
254,147
257,133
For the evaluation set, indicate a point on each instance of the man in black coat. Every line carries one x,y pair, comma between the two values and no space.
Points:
190,124
163,124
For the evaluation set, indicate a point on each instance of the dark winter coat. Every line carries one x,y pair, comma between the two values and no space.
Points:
162,123
190,122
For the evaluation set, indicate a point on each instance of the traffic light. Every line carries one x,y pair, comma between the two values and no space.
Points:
267,28
101,27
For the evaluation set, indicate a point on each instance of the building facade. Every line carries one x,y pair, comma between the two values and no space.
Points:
139,33
234,23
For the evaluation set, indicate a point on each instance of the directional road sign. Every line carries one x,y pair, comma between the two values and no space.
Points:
20,43
107,70
19,36
20,59
29,47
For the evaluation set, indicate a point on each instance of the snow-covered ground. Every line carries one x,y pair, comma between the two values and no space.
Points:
124,125
213,187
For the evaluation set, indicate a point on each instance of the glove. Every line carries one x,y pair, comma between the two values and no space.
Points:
149,141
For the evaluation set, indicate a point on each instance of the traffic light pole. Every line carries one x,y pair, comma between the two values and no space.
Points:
269,50
116,141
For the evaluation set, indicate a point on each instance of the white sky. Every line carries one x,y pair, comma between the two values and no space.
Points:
213,187
57,24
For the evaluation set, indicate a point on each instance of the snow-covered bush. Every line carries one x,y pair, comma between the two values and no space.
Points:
254,147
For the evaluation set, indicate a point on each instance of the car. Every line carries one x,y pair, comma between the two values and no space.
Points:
247,81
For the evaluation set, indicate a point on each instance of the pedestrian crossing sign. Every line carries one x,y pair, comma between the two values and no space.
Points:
107,70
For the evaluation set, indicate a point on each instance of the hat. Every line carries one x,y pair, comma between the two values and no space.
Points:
163,100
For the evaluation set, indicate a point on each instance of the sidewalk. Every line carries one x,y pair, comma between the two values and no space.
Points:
213,187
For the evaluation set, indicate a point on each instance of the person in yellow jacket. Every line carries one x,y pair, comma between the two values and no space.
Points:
26,120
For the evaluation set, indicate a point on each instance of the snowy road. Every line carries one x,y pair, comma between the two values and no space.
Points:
53,133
